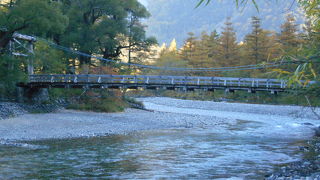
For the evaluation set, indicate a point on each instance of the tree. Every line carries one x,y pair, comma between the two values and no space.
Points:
169,59
228,49
188,49
204,52
105,27
37,17
213,44
288,37
256,44
201,51
137,41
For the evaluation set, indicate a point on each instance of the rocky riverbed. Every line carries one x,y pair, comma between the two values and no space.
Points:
307,168
259,122
12,109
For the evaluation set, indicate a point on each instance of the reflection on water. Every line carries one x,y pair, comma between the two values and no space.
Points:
174,154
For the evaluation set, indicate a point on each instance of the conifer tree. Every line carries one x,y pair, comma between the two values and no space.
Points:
288,38
257,43
200,57
228,50
213,45
188,49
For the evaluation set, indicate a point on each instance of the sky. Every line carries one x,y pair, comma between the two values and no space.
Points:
173,19
144,2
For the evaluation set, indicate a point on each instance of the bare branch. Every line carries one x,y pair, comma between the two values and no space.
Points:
313,109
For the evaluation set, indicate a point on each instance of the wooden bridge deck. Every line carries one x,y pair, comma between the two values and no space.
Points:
186,83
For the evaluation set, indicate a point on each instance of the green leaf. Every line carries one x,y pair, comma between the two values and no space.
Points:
201,2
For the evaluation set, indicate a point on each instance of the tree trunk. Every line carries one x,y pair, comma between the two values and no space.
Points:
4,40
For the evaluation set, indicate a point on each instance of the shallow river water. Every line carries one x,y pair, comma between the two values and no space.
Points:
176,154
234,151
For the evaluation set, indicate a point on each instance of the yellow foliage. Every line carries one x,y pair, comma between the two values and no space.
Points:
281,71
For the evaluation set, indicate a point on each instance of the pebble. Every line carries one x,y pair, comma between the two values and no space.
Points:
308,169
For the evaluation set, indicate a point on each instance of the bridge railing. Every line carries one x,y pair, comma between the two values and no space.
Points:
159,80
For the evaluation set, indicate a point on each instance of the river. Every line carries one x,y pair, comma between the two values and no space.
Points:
246,142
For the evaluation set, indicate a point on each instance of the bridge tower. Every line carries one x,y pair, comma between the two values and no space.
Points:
20,49
23,46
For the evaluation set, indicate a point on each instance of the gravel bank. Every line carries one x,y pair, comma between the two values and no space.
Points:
167,113
70,124
281,110
11,110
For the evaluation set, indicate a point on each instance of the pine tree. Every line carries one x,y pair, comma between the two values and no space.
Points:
228,50
188,49
257,43
288,38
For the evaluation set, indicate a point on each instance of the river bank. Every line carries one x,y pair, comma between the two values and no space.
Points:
12,109
267,129
167,113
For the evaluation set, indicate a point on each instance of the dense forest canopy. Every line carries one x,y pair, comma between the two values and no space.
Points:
107,28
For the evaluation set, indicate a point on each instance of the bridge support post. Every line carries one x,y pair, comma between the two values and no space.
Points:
274,92
30,59
229,90
251,91
20,94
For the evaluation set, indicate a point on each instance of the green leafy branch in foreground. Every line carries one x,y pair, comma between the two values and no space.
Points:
238,2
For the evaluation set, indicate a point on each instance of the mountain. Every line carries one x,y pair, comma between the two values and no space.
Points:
175,18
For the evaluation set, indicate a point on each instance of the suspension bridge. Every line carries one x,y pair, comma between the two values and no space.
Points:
186,83
183,83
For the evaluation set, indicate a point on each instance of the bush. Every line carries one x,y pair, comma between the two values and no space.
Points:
96,101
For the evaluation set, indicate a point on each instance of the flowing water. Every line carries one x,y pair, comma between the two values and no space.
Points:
176,154
245,150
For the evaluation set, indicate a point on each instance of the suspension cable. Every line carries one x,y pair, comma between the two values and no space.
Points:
232,68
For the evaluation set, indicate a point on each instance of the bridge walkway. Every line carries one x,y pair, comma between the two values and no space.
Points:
187,83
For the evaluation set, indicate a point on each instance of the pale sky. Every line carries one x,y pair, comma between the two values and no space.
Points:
144,2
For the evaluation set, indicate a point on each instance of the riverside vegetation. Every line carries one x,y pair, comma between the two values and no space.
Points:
104,27
82,26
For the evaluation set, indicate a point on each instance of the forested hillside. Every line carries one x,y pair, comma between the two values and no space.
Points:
175,18
291,48
258,47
